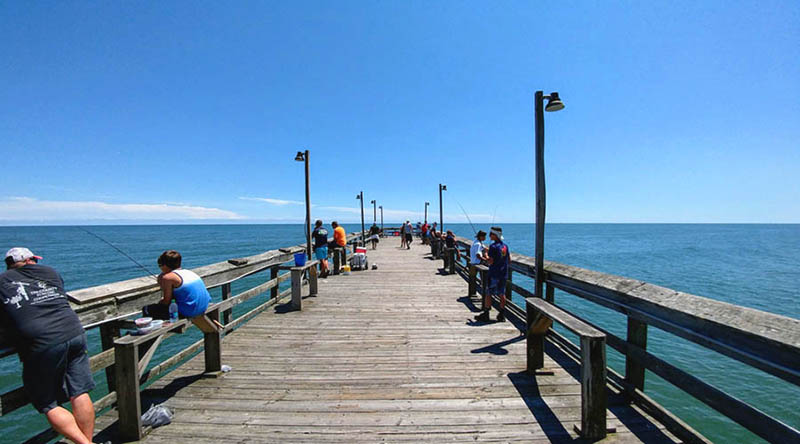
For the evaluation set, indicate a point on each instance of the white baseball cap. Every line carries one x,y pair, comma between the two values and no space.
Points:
19,254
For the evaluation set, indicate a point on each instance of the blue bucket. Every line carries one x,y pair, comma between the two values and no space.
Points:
299,259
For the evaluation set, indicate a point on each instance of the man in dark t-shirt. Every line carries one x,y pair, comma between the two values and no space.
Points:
320,236
498,271
37,319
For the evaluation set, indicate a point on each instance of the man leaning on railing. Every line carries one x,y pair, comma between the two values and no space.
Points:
51,344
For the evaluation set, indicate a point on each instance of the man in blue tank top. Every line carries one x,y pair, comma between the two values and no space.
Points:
185,286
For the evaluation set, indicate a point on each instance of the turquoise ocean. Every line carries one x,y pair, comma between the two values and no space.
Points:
755,266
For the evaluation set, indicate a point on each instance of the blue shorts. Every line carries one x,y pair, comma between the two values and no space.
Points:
497,285
321,253
57,374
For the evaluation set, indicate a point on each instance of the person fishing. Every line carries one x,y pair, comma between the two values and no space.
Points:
320,235
51,343
184,286
498,259
477,251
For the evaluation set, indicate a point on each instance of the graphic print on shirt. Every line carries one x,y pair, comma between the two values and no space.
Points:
39,293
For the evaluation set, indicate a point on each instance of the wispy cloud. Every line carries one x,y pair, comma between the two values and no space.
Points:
273,201
27,208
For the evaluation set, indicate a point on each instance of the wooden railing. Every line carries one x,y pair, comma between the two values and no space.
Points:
111,307
762,340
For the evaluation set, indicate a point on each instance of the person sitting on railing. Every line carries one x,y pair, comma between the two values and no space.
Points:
477,251
339,235
185,286
450,242
51,344
320,235
498,272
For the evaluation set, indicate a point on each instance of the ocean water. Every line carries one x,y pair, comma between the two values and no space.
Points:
750,265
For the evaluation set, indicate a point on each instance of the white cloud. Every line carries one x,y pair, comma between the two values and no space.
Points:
26,208
273,201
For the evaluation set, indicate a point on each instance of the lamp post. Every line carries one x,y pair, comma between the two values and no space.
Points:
360,196
441,222
374,212
426,211
302,156
553,104
381,207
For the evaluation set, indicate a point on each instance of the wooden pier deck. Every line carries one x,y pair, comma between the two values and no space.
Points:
383,355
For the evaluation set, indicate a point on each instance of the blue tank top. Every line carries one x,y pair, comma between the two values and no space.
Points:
192,296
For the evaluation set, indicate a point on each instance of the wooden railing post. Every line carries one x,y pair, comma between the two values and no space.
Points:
297,286
273,273
637,336
212,346
126,358
549,295
226,294
451,260
593,387
473,275
109,331
537,328
484,288
312,281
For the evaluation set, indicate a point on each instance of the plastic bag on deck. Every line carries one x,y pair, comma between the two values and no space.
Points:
157,415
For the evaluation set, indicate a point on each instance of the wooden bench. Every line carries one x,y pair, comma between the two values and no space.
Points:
132,354
594,401
297,281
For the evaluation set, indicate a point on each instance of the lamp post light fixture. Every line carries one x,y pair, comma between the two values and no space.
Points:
426,211
374,212
554,103
302,156
381,207
360,196
441,221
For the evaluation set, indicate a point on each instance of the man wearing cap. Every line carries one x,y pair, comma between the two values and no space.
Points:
38,321
498,258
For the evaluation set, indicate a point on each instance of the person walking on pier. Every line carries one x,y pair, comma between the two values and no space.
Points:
477,253
51,343
498,259
409,234
320,235
374,235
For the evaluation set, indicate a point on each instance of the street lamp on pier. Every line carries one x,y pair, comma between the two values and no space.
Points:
441,221
302,156
426,211
360,196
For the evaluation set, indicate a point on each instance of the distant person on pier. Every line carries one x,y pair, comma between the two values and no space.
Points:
424,233
450,242
402,235
184,286
477,251
498,259
38,321
320,235
339,235
409,234
374,235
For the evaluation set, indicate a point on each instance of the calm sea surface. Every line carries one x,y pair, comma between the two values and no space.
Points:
751,265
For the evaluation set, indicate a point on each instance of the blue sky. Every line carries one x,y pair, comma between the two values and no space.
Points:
676,111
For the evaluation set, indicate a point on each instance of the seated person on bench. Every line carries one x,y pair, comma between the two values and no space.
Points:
185,286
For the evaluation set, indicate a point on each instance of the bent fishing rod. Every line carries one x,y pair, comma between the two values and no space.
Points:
119,250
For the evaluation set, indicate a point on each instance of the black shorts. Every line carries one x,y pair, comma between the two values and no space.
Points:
409,237
57,374
497,285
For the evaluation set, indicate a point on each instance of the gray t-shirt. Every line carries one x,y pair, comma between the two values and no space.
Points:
36,312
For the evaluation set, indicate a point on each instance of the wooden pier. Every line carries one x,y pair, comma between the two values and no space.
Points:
382,355
394,355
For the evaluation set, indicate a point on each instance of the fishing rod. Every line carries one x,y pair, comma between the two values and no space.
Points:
494,214
120,251
474,231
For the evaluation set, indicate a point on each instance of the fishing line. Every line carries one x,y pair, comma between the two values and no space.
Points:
474,231
494,214
120,251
